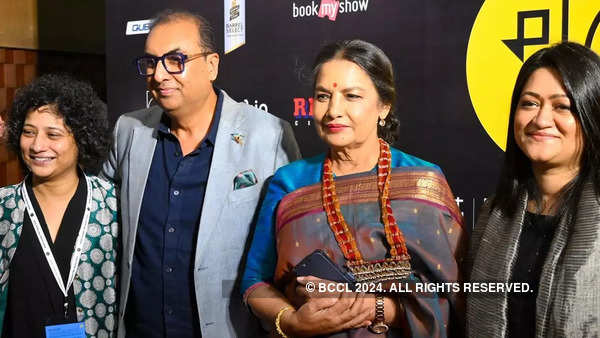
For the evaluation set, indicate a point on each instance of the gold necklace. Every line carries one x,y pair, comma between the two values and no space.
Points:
395,267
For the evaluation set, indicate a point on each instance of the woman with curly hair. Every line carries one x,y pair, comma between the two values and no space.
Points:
58,227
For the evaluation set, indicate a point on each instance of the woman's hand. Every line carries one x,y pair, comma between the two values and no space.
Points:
308,287
327,312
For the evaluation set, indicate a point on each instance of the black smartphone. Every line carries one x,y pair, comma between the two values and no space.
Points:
318,264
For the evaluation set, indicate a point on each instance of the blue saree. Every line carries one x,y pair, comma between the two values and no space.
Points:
292,224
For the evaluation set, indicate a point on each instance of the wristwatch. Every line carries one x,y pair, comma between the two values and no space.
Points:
379,325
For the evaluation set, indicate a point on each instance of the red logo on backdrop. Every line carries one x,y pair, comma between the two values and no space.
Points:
303,108
329,8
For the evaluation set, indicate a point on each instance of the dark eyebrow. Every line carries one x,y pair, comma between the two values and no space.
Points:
538,96
321,89
55,128
48,128
345,90
349,89
558,95
172,51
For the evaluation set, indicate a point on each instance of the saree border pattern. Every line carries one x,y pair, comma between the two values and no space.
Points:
416,183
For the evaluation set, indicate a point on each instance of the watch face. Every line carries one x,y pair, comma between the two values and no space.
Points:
379,328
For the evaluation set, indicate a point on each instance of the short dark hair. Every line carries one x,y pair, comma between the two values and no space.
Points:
379,68
206,34
76,102
579,70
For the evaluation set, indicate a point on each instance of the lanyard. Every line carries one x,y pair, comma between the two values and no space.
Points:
76,256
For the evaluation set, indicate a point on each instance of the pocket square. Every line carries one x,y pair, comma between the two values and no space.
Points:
246,178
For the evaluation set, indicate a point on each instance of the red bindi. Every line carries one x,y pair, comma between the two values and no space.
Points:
334,85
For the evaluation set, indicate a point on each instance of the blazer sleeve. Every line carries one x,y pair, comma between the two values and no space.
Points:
262,257
287,148
110,168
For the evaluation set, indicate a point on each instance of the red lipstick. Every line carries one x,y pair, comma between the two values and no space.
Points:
335,127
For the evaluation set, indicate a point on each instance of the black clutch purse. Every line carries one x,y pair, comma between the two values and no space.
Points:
318,264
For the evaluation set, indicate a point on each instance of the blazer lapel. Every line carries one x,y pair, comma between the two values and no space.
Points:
140,158
226,158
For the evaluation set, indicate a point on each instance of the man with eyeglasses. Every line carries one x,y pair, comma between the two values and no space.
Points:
191,170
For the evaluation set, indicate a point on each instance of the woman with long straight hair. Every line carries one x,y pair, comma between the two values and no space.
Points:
542,227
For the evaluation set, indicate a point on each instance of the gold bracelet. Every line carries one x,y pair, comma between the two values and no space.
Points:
278,321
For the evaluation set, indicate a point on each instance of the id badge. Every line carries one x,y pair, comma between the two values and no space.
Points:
71,330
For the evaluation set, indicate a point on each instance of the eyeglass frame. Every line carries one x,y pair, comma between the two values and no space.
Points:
184,59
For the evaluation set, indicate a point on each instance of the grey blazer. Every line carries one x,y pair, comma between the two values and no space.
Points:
227,214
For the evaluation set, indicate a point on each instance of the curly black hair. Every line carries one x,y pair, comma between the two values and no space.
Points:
76,102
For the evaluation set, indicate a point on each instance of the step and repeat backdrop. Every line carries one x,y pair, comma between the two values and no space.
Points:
455,63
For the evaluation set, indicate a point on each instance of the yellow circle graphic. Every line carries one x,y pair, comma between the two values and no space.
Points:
505,34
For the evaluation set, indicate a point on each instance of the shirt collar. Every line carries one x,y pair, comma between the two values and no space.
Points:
165,121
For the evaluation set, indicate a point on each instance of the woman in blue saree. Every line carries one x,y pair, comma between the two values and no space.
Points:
370,207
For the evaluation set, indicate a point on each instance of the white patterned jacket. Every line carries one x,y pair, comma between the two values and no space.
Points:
95,282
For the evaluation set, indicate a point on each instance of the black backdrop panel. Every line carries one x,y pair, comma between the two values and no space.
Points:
426,40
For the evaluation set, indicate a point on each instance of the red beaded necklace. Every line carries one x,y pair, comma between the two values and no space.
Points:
395,267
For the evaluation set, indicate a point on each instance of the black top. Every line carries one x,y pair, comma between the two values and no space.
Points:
34,298
534,243
163,258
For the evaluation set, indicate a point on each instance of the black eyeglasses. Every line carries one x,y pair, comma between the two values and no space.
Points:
174,63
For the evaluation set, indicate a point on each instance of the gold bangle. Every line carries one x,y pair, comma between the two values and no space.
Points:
278,321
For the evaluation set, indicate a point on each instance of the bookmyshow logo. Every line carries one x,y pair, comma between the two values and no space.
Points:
328,8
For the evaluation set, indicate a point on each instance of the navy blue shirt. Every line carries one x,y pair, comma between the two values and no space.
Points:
162,301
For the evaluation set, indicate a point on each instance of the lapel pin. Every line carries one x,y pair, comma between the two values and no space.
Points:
238,138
